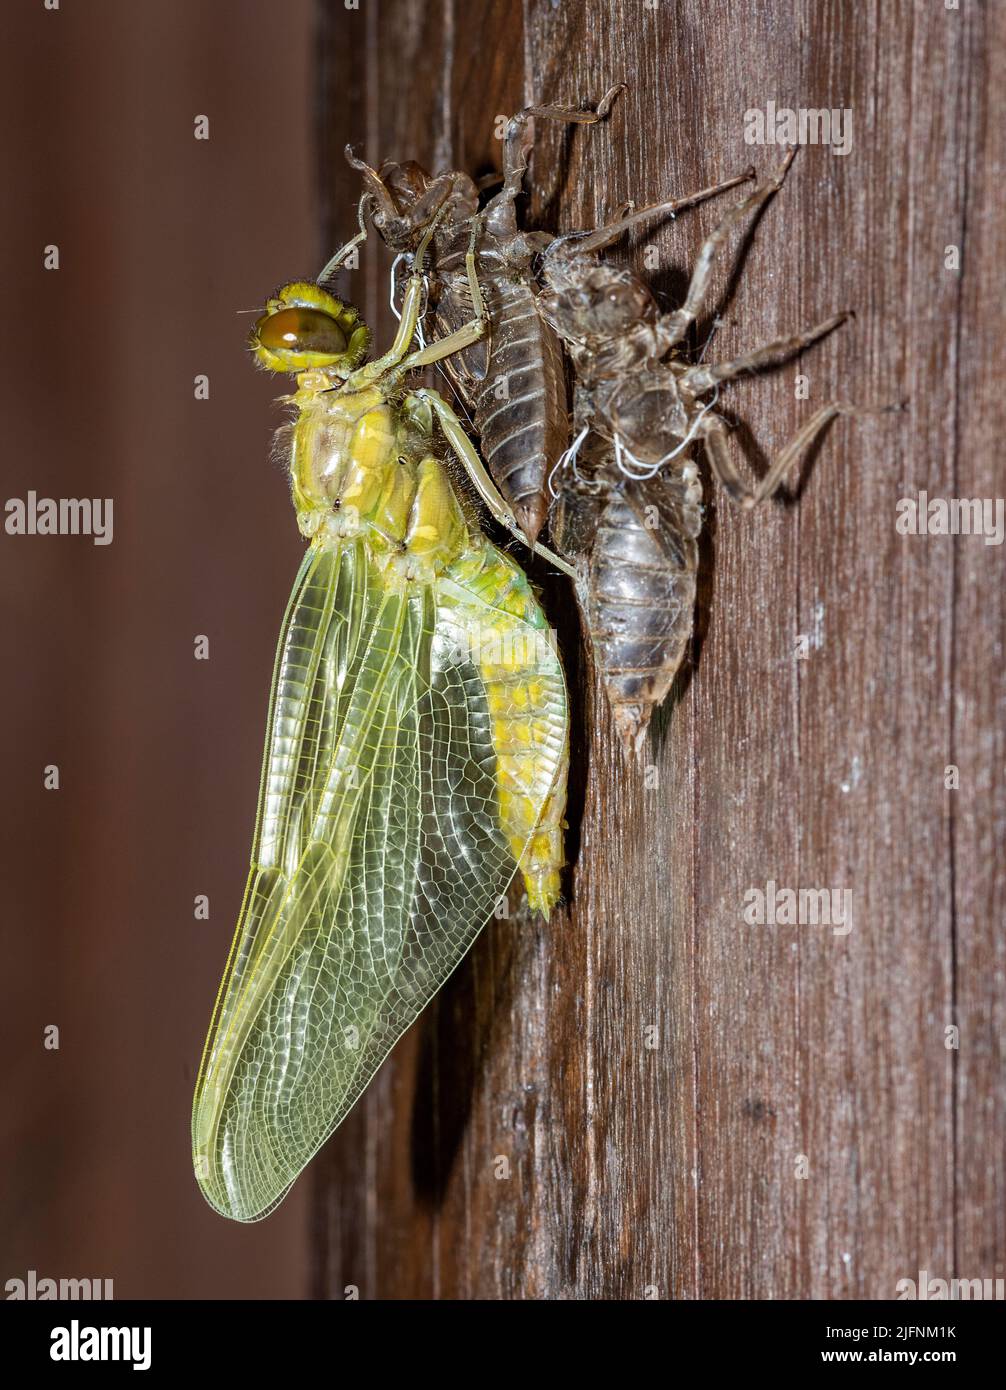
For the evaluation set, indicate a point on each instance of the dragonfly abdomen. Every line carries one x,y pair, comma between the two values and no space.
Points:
520,406
525,692
640,597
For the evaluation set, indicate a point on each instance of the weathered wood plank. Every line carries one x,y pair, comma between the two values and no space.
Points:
977,734
653,1074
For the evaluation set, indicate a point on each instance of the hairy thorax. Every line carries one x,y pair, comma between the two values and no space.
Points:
362,466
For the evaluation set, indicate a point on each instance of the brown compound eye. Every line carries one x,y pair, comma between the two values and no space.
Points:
299,329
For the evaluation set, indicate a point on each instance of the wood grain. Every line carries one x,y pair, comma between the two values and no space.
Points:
619,1104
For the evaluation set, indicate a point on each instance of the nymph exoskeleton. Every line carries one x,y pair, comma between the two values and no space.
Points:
416,751
628,498
513,380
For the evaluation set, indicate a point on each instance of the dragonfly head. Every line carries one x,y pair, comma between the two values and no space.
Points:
305,327
404,199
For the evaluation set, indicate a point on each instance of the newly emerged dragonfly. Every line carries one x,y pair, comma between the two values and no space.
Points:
416,749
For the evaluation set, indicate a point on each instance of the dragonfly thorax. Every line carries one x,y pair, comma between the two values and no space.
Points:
361,468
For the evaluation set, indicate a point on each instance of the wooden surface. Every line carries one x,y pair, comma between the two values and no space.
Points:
616,1105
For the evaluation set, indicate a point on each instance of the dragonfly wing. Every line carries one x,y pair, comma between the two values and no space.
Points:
378,857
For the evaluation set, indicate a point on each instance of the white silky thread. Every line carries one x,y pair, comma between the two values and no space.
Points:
567,456
650,470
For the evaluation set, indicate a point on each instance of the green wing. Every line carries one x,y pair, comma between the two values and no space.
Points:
378,857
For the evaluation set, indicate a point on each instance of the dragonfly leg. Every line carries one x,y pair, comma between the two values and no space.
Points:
518,141
343,251
395,362
611,231
701,378
468,333
464,449
681,319
714,432
462,337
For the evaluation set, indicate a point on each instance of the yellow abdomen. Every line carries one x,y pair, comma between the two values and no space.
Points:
520,689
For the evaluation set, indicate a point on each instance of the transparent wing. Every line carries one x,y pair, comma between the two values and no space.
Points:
378,857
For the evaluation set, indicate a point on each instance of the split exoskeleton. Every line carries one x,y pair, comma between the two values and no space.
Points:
627,492
623,497
513,380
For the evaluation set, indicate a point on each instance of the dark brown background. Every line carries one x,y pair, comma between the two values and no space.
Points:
162,240
633,1171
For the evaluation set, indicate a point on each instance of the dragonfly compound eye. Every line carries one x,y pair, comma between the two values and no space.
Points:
300,329
304,327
